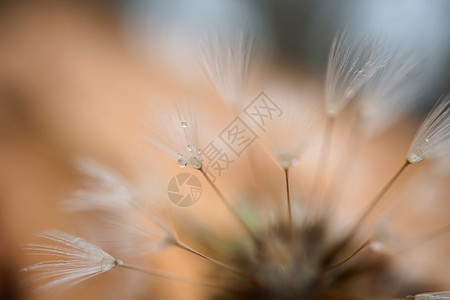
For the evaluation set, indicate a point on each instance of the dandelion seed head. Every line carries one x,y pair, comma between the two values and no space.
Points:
225,60
433,136
351,63
176,136
73,260
287,137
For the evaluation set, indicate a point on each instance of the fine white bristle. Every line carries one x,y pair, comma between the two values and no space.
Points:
74,260
132,226
225,60
351,63
391,93
433,136
176,136
102,189
288,136
132,234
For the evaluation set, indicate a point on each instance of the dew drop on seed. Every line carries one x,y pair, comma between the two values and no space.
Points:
184,124
427,140
180,155
189,147
182,163
199,151
195,162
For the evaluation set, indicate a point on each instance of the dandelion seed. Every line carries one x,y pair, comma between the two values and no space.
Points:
351,63
287,137
225,61
74,260
433,136
177,137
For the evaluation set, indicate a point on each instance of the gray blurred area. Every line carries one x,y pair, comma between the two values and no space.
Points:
300,32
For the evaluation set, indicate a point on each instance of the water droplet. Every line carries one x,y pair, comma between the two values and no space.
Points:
195,162
184,124
180,155
189,147
199,151
182,163
427,140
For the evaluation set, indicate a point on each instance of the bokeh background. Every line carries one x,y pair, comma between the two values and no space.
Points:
75,74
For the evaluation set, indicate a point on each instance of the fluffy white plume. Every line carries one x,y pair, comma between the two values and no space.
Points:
351,63
72,261
391,93
225,60
102,189
433,136
176,136
288,136
131,226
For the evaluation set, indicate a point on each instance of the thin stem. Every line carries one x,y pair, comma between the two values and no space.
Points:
220,264
322,164
362,247
229,207
288,194
173,277
379,196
